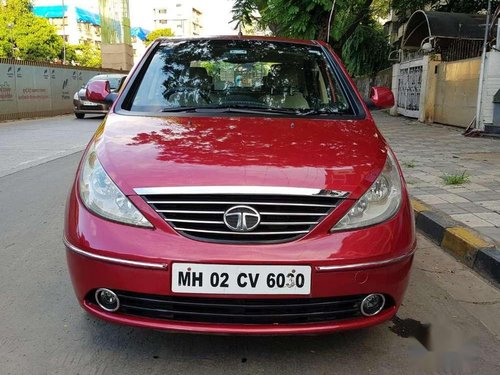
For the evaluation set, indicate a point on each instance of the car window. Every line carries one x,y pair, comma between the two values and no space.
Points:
260,74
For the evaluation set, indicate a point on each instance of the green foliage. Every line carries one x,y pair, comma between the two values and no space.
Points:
84,54
366,51
244,11
409,164
158,33
353,33
456,179
25,36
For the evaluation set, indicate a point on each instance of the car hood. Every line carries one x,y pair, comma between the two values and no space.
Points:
139,152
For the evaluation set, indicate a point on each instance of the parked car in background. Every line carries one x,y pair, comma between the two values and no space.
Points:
239,185
82,106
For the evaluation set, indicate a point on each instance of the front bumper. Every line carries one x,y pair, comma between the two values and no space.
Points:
88,274
104,254
97,109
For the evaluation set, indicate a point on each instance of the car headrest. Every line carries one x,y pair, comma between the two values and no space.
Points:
198,76
198,72
283,78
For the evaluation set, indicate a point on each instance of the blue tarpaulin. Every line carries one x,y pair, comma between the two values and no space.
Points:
83,15
51,11
139,32
57,11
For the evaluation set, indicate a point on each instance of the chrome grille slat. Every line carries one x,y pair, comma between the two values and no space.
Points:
240,233
222,222
195,221
289,223
190,212
244,203
282,217
293,214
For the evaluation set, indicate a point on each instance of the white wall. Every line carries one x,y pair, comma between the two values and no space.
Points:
491,85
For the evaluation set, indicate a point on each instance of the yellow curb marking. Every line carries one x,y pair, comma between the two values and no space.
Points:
470,237
419,207
463,243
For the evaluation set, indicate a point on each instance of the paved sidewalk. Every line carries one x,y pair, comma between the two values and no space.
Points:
427,152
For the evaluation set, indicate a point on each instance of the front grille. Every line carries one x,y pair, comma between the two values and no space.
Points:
243,311
282,217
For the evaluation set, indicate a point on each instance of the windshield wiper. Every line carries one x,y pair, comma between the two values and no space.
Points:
180,109
238,108
231,108
324,112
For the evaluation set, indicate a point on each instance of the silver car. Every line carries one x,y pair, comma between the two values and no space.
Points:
82,106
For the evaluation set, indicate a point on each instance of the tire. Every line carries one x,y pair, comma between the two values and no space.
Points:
80,115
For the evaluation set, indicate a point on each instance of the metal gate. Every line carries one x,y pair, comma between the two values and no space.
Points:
409,86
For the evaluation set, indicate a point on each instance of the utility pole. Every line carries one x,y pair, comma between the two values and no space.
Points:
64,32
10,26
481,74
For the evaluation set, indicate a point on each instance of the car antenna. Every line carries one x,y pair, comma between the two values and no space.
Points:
330,21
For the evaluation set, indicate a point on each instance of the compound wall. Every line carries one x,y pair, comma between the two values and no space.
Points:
31,89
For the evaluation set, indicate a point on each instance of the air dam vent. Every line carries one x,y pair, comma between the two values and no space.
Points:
244,218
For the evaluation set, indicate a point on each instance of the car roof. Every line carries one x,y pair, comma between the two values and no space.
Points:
309,42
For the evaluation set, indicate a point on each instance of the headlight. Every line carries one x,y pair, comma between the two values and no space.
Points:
379,203
101,196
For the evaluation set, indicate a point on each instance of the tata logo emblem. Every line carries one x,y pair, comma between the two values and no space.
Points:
241,218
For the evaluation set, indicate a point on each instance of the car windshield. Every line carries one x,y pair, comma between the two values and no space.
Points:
258,75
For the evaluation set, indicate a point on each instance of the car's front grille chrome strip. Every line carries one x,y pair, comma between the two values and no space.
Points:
245,203
283,214
267,190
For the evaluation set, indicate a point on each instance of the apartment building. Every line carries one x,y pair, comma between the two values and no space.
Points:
183,17
74,24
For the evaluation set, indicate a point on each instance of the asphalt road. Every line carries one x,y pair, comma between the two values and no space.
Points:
450,315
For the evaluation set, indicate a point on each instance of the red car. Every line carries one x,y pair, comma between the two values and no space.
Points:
239,185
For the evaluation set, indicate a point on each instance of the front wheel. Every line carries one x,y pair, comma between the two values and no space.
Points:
80,115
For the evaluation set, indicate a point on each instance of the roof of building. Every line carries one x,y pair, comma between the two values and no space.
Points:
424,24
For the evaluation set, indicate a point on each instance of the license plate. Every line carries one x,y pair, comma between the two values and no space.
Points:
85,102
240,279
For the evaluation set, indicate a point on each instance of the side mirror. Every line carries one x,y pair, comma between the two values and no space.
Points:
380,98
100,92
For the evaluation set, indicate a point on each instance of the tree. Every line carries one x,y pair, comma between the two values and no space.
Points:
308,19
85,54
26,36
158,33
366,51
